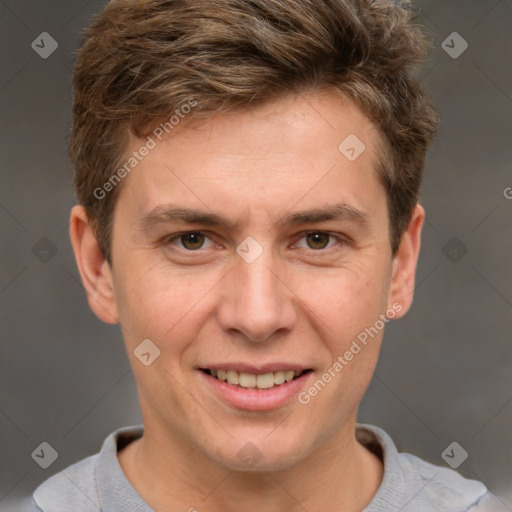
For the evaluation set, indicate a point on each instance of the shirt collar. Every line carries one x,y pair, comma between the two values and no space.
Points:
116,493
114,490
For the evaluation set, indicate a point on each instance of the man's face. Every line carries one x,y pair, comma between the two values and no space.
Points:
274,291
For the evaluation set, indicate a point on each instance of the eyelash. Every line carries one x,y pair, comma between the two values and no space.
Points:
170,239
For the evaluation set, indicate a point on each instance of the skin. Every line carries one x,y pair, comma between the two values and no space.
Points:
300,301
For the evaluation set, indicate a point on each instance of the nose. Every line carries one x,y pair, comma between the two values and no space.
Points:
257,300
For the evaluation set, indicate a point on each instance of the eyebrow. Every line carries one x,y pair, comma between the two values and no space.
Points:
166,214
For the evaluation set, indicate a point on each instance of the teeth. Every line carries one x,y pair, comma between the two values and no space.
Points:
265,381
279,378
249,380
233,377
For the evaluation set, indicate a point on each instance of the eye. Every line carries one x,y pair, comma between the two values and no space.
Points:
193,241
190,240
318,240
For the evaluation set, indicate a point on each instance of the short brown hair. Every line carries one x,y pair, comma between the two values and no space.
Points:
142,59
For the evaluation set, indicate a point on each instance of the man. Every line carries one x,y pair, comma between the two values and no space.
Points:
247,176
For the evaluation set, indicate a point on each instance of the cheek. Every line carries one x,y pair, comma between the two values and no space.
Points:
351,331
349,304
347,299
169,306
160,305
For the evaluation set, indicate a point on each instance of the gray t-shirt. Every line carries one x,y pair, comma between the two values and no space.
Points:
409,484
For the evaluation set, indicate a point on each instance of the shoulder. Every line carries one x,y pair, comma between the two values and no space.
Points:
417,485
73,489
430,485
92,483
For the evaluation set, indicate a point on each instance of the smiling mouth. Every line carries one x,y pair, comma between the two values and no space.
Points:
252,381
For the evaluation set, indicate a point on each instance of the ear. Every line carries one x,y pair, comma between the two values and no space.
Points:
93,267
404,264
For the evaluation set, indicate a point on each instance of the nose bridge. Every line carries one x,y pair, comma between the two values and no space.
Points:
258,303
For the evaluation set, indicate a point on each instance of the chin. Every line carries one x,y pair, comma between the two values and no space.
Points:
261,454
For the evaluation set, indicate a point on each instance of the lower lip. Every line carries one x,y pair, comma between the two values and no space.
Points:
256,399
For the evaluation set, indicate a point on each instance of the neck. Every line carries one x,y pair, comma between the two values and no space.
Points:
340,474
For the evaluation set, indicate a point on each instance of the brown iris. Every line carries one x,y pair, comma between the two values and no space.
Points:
192,241
315,240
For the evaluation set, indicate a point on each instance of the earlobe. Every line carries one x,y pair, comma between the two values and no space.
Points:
405,262
93,267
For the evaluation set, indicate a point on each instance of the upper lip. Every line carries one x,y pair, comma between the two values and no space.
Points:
256,368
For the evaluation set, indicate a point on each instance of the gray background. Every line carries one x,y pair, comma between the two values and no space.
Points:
445,370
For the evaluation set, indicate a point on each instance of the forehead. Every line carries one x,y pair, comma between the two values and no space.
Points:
311,150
